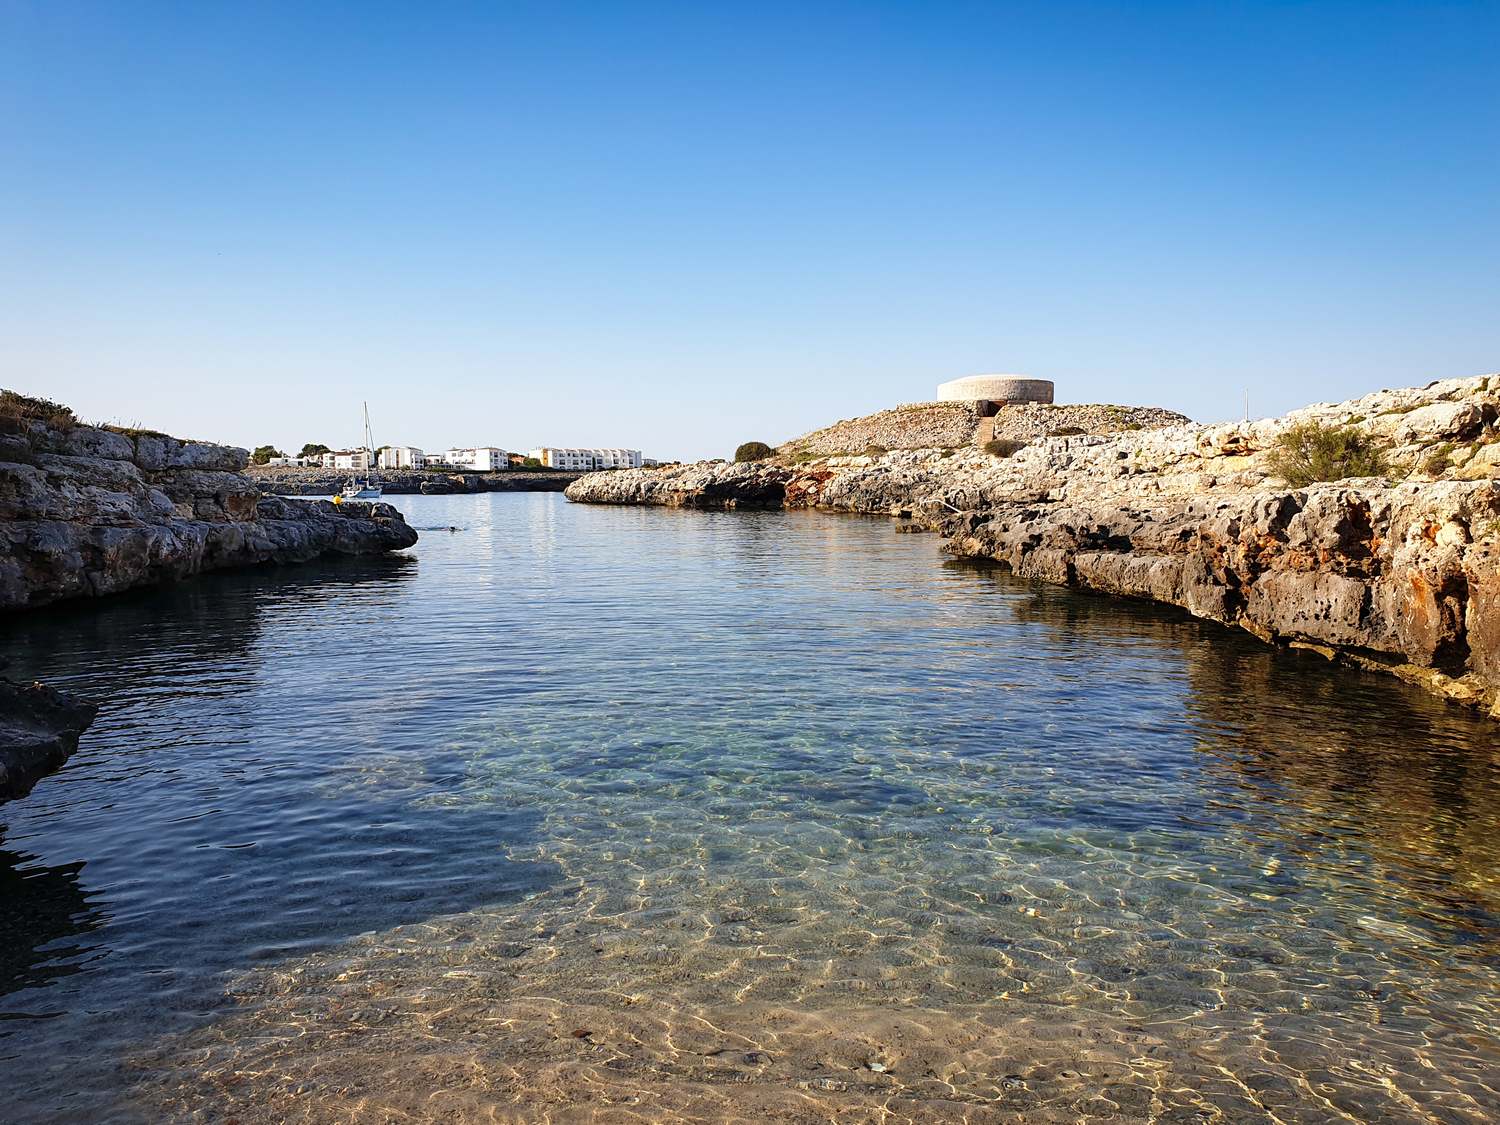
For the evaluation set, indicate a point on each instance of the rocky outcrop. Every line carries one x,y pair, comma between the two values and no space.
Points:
948,425
1027,420
39,729
1403,579
1398,573
280,480
86,511
709,484
912,425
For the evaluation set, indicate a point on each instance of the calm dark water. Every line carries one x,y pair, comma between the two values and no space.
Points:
745,763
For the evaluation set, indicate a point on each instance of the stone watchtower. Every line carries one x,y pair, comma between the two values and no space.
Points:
995,388
989,393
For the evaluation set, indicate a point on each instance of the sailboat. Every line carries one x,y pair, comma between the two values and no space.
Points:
369,488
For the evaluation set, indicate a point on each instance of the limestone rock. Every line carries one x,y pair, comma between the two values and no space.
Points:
86,511
705,485
39,729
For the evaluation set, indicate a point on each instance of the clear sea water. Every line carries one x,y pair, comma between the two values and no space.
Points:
611,814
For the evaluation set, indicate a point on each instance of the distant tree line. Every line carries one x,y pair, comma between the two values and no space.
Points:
264,453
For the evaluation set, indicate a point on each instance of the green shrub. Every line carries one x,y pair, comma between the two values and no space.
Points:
1065,431
1003,447
753,451
1314,452
531,462
874,449
264,454
1440,461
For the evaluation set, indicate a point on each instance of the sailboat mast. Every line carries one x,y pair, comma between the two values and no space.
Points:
370,443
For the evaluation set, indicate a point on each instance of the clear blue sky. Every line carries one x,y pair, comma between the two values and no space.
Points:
679,226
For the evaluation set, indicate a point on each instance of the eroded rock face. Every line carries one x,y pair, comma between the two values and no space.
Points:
1398,574
39,729
705,485
86,511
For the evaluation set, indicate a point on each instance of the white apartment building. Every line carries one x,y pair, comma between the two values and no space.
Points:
402,457
350,460
617,458
587,459
484,459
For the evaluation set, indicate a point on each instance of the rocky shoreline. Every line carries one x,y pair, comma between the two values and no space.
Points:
87,511
39,730
1397,573
278,480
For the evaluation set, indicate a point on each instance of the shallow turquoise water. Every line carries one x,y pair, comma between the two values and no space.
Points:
792,733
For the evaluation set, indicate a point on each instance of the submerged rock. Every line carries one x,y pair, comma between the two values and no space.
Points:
86,511
39,729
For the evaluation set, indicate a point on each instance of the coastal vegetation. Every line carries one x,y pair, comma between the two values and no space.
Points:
264,453
753,451
1313,452
1003,447
23,408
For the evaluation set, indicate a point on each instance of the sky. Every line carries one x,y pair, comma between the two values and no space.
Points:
677,227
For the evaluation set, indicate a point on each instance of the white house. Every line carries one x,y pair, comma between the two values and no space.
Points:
484,459
298,462
402,457
587,459
350,460
564,458
616,458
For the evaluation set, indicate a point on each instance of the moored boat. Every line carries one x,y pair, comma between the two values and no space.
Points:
369,488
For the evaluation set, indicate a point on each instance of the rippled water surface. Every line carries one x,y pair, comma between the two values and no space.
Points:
623,815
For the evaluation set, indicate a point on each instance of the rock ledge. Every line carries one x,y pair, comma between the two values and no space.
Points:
39,729
87,511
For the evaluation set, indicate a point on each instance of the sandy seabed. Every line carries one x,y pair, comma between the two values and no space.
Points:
656,992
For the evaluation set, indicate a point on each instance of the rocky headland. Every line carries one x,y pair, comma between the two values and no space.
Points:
89,510
281,480
947,425
1395,571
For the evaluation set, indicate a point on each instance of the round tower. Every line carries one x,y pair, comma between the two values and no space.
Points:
995,388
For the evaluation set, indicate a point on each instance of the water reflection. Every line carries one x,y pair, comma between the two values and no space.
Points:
44,921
